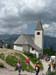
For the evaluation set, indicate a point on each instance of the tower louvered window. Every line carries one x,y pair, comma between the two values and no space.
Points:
38,33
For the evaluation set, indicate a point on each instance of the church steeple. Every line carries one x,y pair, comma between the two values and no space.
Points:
39,35
38,25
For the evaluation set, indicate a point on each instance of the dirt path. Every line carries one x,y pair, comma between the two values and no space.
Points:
9,72
30,60
6,65
40,73
10,68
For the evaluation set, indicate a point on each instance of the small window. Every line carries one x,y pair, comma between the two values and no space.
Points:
38,33
32,49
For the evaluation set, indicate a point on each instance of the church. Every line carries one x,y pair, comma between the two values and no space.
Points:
31,43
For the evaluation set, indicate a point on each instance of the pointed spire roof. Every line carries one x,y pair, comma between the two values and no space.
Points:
39,25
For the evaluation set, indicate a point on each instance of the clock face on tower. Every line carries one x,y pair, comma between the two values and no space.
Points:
38,33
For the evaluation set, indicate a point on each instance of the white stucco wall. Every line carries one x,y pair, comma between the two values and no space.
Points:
20,48
26,48
37,54
34,52
39,39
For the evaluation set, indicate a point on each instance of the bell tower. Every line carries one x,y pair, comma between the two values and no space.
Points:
39,35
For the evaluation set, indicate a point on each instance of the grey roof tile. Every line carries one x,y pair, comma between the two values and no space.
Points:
26,40
39,25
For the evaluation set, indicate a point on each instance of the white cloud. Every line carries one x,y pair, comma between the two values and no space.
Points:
20,7
13,7
8,8
14,11
33,5
50,29
20,29
46,26
14,30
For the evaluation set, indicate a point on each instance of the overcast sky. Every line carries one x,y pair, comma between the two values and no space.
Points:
19,16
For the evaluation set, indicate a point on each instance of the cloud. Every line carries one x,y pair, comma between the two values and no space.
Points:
8,8
20,7
14,29
45,26
15,15
50,29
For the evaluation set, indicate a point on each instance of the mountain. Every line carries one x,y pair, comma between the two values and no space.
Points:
49,42
8,38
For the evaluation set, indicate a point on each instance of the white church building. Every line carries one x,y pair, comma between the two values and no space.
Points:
31,43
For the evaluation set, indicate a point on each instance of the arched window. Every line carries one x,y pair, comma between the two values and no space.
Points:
38,33
32,49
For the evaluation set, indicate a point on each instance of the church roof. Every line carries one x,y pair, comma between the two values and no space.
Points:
26,40
39,25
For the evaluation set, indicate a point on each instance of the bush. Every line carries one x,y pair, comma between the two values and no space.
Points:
48,51
12,60
22,58
2,56
51,73
24,66
32,57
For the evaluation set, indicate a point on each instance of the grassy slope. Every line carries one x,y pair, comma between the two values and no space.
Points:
12,58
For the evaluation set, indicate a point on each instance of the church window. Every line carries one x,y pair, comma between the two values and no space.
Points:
32,49
38,33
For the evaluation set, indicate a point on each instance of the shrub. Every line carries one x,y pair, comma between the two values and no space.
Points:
12,60
22,58
48,51
24,66
2,56
51,73
32,57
